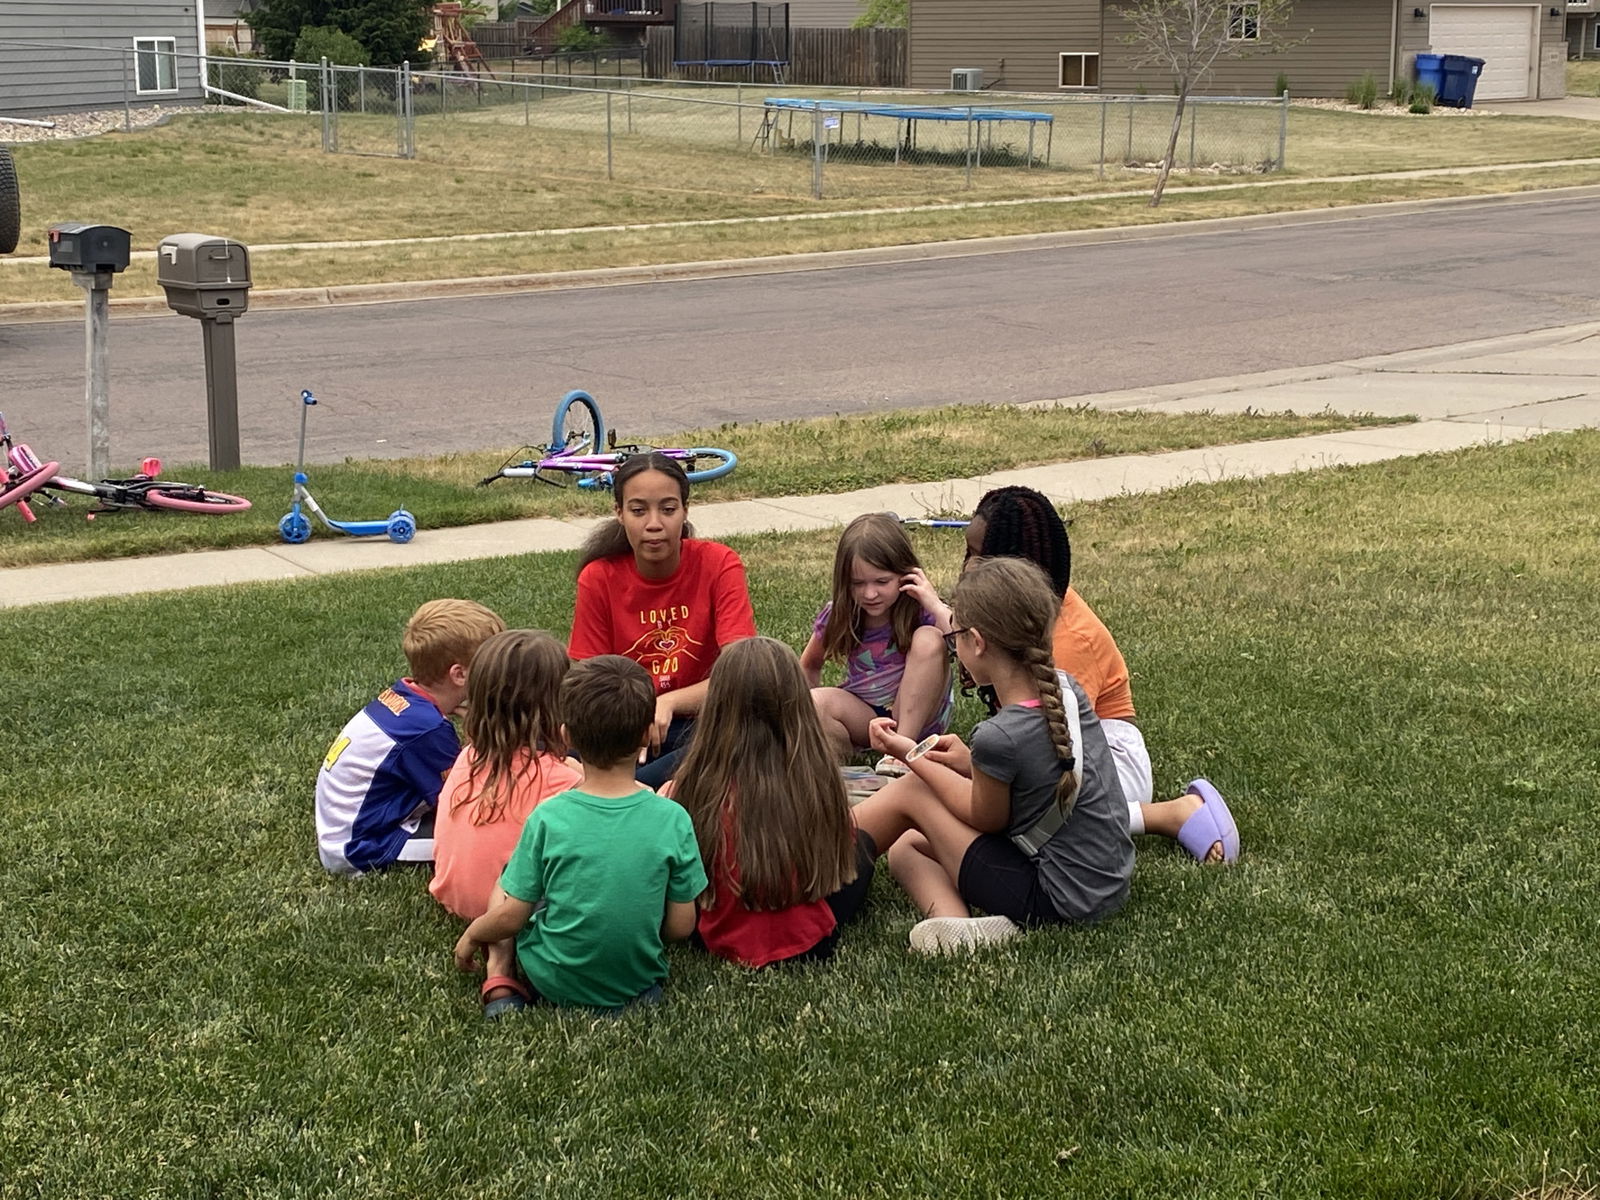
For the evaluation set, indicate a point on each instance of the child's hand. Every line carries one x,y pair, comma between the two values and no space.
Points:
466,953
881,736
915,584
950,751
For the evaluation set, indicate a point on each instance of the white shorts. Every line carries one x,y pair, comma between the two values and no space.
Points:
1133,760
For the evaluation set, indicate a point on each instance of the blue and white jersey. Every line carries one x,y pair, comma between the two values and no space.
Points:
380,778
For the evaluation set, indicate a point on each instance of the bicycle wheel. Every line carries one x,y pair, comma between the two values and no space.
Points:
29,484
705,463
578,427
187,497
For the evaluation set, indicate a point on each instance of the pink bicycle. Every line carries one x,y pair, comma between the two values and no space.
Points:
26,476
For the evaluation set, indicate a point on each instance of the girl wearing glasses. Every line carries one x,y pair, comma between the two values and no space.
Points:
1029,823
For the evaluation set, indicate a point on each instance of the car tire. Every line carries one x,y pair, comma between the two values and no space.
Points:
10,204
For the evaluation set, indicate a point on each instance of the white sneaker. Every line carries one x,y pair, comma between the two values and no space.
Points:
951,935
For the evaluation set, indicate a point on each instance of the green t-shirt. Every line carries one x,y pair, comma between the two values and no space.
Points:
605,870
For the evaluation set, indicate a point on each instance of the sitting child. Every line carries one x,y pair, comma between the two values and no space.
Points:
512,762
787,865
894,656
380,780
604,872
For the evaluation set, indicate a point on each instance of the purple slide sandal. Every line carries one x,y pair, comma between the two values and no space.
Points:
1211,823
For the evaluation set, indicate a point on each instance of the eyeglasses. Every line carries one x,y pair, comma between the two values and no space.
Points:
950,638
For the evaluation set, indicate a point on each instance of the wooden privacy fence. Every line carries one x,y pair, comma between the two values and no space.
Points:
819,57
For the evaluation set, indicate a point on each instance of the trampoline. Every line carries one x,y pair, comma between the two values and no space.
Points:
717,35
910,114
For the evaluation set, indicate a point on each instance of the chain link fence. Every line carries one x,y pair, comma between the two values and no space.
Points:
742,138
831,142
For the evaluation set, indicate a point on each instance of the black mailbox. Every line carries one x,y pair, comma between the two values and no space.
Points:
204,276
75,246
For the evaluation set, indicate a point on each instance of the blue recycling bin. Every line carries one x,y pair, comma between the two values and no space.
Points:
1460,80
1430,72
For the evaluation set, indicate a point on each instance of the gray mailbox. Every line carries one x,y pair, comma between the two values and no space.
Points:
75,246
95,254
209,278
203,276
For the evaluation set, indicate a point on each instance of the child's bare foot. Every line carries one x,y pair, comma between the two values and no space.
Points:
1208,831
1184,807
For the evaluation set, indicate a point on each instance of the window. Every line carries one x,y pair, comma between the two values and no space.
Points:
1080,70
155,64
1244,21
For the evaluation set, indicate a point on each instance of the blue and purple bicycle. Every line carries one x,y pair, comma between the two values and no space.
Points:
575,452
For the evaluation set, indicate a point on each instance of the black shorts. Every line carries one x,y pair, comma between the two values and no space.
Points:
1002,880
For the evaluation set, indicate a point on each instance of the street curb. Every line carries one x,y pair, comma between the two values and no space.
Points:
378,293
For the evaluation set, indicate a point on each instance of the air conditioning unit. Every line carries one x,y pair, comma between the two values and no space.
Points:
966,79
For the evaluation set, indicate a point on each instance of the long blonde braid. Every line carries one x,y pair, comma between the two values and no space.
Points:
1010,601
1053,705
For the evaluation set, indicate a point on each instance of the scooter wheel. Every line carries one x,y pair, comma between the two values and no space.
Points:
295,528
402,526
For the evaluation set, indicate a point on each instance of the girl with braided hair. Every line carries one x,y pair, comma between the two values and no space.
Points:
1020,522
1029,824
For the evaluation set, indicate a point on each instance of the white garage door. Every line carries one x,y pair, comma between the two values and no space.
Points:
1503,35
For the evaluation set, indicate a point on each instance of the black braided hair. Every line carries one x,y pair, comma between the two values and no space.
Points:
1022,523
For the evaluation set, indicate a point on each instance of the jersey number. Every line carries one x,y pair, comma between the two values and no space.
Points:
334,751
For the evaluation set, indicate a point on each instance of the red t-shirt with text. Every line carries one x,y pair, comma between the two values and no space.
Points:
674,627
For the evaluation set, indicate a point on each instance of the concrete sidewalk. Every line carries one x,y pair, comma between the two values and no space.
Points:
1476,393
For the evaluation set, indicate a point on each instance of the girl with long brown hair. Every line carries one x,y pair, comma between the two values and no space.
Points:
892,649
1029,824
785,864
649,590
512,762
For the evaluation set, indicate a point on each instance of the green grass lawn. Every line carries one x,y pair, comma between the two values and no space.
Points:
1583,77
1388,669
829,454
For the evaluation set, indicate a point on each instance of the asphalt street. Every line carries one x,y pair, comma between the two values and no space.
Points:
455,374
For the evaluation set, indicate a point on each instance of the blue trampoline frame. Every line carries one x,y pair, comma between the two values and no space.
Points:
912,113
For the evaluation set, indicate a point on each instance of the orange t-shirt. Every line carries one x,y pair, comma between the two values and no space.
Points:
1084,648
468,858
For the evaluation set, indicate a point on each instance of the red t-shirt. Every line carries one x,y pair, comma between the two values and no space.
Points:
732,931
674,627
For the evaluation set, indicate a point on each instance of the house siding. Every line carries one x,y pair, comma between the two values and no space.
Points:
1552,74
65,76
1018,43
1335,42
823,14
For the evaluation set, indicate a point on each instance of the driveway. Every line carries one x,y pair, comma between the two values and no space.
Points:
1582,108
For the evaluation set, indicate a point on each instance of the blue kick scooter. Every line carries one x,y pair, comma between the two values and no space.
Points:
295,526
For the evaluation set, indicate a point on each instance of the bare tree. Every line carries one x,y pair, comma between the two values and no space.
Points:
1186,37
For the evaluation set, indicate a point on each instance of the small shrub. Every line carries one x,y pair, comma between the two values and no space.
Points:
580,39
317,42
1363,92
1422,99
1401,93
1280,85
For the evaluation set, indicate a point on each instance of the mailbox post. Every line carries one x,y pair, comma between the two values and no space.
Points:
94,254
208,278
